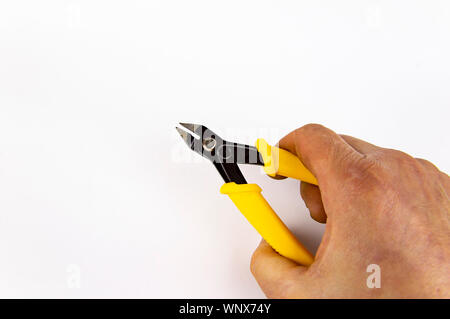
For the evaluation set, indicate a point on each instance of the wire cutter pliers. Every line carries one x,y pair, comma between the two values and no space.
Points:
247,197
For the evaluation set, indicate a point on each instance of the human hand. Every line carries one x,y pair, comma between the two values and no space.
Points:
381,206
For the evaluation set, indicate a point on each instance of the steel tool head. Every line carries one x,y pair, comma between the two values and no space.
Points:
224,155
202,140
205,142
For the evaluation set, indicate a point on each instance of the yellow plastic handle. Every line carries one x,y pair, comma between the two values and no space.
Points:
248,199
280,162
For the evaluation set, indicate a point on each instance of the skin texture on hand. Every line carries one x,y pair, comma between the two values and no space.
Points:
381,206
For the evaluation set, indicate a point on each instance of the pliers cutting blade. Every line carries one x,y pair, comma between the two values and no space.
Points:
226,156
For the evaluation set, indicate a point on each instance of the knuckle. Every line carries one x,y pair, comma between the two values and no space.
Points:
405,160
309,129
427,164
398,157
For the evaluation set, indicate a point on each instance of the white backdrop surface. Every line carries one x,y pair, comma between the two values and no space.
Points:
99,197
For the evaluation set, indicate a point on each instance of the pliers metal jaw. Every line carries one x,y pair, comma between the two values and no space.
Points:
223,154
226,156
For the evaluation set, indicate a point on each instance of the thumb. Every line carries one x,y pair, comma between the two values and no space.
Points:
326,154
275,273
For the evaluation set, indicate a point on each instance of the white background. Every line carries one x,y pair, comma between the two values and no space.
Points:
95,182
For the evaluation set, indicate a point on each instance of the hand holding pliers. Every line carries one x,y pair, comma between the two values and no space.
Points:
226,156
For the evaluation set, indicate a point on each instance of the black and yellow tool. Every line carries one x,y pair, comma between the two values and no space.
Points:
247,197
